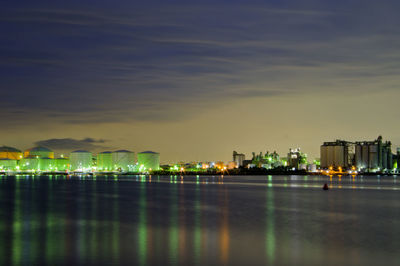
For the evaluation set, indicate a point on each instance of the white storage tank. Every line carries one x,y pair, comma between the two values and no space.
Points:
81,161
104,161
123,160
148,160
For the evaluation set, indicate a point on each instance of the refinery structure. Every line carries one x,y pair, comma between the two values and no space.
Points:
42,160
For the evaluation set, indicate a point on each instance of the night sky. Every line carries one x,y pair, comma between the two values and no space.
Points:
195,80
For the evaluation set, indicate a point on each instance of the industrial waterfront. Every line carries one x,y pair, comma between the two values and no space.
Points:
198,220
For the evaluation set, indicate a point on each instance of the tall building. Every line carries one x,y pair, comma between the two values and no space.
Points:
238,158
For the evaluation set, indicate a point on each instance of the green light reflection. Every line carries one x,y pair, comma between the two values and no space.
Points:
142,227
270,226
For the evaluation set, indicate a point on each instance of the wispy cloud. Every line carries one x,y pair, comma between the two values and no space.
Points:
154,64
69,144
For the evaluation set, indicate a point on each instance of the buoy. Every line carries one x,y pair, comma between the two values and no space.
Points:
325,187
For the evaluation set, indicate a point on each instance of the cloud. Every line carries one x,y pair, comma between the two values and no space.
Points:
167,64
69,144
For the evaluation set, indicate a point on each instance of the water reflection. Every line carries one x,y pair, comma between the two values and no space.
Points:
175,220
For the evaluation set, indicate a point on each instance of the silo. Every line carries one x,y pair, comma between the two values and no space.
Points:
359,158
123,160
8,164
330,155
324,156
148,160
373,157
62,164
365,156
29,164
339,160
10,153
104,161
40,152
47,164
384,158
81,161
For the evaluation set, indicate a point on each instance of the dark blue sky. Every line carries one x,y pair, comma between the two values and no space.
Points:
162,74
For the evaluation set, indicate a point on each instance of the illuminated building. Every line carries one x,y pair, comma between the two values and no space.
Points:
10,153
268,160
123,160
296,159
148,160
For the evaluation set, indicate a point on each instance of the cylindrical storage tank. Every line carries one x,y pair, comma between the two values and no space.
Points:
339,156
123,160
10,153
39,152
104,161
47,164
148,160
373,156
62,164
324,157
358,157
31,164
81,161
8,164
365,156
330,155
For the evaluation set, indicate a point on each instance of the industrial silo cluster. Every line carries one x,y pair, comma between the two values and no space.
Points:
365,156
42,159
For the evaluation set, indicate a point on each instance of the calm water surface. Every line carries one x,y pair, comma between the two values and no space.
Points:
252,220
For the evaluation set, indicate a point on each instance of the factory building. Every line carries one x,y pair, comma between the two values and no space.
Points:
148,160
81,161
39,152
104,161
10,153
373,155
296,159
8,164
238,158
336,154
123,160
